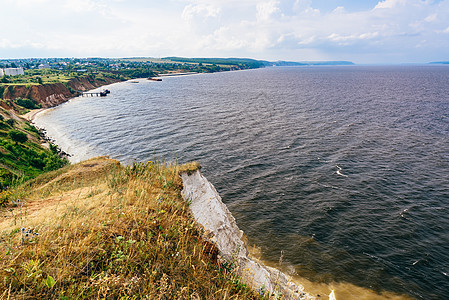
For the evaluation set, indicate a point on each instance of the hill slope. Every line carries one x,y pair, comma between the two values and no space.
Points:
20,161
101,230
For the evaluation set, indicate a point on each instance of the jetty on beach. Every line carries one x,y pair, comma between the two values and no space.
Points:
96,94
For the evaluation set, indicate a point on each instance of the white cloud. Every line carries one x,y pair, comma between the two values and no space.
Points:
305,7
199,10
24,4
5,43
266,9
390,3
339,10
80,5
363,36
269,29
431,18
302,5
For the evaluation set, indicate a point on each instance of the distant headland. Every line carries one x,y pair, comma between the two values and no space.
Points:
439,63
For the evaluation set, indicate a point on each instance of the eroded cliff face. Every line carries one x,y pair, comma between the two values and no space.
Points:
86,83
221,229
49,95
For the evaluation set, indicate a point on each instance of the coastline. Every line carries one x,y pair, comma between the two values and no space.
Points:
269,279
43,131
65,144
33,114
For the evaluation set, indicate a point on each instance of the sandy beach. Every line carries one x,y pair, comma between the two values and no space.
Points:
31,115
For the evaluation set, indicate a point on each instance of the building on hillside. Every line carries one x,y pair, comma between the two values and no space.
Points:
14,71
1,72
44,66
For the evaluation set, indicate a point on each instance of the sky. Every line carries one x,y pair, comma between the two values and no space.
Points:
362,31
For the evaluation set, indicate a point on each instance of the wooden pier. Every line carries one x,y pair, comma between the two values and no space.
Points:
99,94
96,94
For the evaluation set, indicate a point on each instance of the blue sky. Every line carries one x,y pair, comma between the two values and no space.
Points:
366,32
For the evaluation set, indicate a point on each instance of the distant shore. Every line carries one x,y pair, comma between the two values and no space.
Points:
177,74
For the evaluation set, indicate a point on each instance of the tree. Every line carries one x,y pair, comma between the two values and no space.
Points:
10,122
4,79
27,103
17,136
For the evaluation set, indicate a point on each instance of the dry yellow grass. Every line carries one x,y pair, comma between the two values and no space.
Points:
108,231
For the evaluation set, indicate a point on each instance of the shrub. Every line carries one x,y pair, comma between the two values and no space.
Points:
27,103
53,163
17,136
10,122
6,179
31,129
53,149
71,90
37,163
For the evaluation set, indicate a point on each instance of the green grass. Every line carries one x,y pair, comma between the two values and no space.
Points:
31,77
47,76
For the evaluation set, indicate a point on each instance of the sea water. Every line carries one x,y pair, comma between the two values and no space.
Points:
342,171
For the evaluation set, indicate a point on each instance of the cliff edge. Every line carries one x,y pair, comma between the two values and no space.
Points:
52,94
221,229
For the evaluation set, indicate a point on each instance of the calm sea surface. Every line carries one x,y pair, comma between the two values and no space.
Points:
344,169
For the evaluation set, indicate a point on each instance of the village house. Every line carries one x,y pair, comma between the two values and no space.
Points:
12,71
44,66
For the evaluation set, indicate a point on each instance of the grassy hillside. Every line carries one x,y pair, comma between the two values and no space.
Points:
22,160
50,76
100,230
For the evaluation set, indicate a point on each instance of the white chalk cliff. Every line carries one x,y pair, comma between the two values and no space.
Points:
221,229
